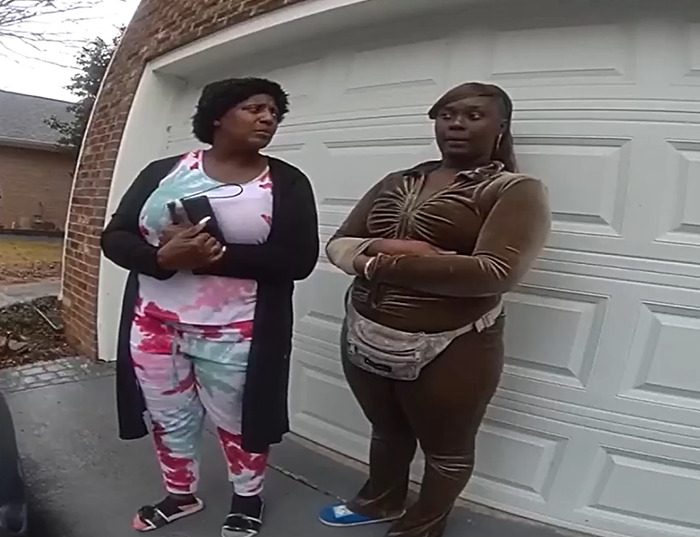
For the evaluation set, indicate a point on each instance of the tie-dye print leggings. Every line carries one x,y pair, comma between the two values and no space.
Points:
185,372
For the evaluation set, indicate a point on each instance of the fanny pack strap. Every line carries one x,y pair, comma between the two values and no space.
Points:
487,320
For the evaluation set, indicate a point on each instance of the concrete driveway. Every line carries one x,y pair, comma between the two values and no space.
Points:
84,482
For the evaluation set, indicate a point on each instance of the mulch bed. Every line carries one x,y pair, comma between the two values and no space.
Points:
27,336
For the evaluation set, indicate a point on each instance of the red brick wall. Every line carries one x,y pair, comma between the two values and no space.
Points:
158,27
34,182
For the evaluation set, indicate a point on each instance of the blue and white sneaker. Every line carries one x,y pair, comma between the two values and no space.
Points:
340,516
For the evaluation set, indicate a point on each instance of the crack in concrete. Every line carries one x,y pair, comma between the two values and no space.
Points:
304,481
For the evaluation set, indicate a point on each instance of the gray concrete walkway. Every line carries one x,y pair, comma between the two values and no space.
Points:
24,292
84,482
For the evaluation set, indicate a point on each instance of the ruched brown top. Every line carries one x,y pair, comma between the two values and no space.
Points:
496,222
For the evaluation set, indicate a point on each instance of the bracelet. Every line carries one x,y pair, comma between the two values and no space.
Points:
365,269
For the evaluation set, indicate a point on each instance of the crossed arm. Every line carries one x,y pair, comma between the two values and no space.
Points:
510,239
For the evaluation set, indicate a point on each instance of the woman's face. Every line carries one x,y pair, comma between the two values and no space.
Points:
467,131
251,123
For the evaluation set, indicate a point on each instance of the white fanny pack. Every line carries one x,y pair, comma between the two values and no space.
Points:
400,355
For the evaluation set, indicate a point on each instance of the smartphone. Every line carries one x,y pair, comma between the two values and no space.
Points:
199,209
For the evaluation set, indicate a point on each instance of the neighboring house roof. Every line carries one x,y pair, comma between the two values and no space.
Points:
22,120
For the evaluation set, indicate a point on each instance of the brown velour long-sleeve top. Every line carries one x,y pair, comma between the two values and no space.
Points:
497,223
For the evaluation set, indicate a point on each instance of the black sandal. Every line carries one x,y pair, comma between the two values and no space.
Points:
244,520
154,517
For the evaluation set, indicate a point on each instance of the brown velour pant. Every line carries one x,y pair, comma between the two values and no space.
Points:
442,410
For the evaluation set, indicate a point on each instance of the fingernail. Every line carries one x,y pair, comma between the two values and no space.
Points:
204,220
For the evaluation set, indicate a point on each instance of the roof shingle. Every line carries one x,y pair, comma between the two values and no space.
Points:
22,118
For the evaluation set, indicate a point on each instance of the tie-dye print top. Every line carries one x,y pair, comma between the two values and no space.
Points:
244,215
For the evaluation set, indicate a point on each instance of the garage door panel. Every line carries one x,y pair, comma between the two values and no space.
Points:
288,148
539,452
375,69
180,146
179,128
590,54
558,338
344,164
679,214
595,326
662,366
319,308
369,153
588,168
659,379
524,460
587,177
302,81
639,204
318,387
361,164
413,68
566,360
592,474
691,53
666,490
323,407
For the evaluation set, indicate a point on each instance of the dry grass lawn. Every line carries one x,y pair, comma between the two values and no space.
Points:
29,259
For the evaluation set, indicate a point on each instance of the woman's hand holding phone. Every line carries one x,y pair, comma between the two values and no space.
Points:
170,232
187,247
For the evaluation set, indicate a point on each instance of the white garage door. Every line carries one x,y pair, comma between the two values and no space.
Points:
596,422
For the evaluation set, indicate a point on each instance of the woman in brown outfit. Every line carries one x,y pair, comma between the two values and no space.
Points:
432,250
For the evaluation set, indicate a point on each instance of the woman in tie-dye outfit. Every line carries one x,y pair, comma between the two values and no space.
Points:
194,317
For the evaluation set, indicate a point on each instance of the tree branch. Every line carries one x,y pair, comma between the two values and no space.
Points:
19,19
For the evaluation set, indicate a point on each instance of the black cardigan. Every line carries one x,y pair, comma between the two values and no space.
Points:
290,254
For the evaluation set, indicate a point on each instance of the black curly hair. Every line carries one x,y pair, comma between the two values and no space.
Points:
219,97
